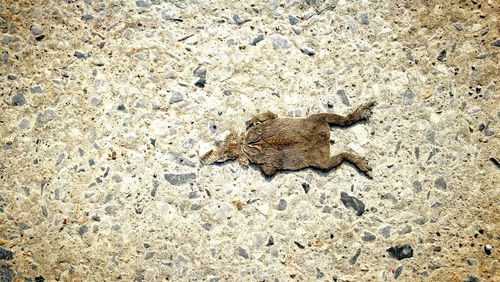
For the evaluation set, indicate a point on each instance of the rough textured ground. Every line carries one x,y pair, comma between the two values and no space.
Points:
107,105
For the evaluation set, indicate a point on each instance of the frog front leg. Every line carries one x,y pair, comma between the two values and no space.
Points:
260,118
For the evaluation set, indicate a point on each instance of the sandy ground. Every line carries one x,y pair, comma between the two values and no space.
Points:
108,105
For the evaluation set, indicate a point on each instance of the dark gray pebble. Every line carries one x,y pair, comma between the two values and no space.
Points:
81,55
257,39
343,97
242,252
36,89
293,20
121,107
270,241
298,244
398,271
143,3
471,278
179,179
200,82
368,237
96,218
282,205
458,26
488,249
207,226
400,252
11,77
440,183
83,229
6,254
238,20
355,257
149,255
408,97
442,56
363,18
297,30
319,273
307,51
36,30
176,98
496,43
40,37
101,44
352,202
18,100
39,278
6,274
417,186
306,187
87,17
200,72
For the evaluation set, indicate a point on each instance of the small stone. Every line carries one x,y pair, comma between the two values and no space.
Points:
83,229
242,252
117,178
363,18
308,15
293,20
496,43
343,97
385,231
270,241
36,89
39,278
6,254
200,72
441,56
355,257
400,252
306,187
257,39
200,83
430,136
238,20
179,179
307,51
207,226
121,107
36,30
471,278
440,183
176,97
81,55
417,186
404,230
352,202
40,37
319,273
408,97
368,237
398,271
5,57
279,42
87,17
6,274
488,249
458,26
96,218
282,205
298,244
18,100
127,33
143,3
149,255
101,44
11,77
297,30
6,39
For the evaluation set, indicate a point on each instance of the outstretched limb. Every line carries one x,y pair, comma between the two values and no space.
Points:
359,162
362,112
260,118
268,170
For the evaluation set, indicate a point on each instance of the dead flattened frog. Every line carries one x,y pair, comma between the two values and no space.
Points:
290,143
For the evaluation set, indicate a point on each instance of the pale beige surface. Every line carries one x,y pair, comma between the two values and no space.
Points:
87,196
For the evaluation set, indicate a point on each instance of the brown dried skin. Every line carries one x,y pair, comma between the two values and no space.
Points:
290,143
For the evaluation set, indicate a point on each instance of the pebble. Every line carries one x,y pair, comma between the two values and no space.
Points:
440,183
408,97
343,97
36,30
306,187
355,257
279,42
282,205
6,39
83,229
398,271
5,56
496,43
270,241
149,255
6,254
127,33
6,273
207,226
404,230
176,97
307,51
458,26
297,30
81,55
121,107
400,252
363,18
293,20
18,100
238,20
11,77
352,202
200,83
441,56
257,39
430,135
200,72
488,249
298,244
36,89
319,273
368,237
179,179
471,278
308,15
39,278
385,231
143,3
242,252
417,186
87,17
